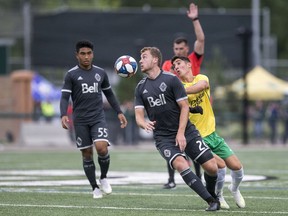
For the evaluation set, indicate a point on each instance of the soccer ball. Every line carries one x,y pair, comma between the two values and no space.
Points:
126,66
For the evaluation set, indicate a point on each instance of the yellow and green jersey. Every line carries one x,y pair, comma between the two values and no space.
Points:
204,123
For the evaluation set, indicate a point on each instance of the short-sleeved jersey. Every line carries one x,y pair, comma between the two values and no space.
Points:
195,62
86,88
159,98
204,123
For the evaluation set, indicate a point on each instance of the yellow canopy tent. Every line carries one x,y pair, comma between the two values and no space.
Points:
261,85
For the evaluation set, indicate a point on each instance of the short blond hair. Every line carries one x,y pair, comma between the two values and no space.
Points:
155,52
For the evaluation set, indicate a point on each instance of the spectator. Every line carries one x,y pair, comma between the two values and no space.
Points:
48,111
273,115
258,116
37,111
285,119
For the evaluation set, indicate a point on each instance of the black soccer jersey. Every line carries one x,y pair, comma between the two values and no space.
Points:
85,87
159,98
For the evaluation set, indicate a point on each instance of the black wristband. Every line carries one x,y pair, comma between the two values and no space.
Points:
194,19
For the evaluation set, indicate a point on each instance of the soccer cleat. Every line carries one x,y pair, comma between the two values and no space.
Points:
223,203
105,186
240,202
169,185
213,206
97,194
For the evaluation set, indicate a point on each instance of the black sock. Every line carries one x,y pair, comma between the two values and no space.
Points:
197,169
195,184
104,162
210,184
89,169
171,173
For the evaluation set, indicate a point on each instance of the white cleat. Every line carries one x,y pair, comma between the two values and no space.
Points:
223,203
240,202
97,194
105,186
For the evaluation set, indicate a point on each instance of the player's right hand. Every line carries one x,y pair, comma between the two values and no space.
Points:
149,126
181,141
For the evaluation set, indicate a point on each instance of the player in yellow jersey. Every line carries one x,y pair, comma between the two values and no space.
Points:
198,91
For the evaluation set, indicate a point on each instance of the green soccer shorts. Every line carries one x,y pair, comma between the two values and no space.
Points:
218,145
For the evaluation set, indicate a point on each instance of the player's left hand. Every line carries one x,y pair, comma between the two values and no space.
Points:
192,13
123,120
65,122
196,109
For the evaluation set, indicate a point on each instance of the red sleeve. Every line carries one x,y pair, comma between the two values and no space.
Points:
196,63
167,65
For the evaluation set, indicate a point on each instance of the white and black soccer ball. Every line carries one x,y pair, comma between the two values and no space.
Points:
126,66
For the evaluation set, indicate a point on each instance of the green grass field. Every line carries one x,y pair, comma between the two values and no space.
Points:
31,185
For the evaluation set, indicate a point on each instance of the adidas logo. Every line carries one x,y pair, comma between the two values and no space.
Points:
80,78
145,91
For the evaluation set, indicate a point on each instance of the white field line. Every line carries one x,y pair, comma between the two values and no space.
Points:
54,191
138,209
115,178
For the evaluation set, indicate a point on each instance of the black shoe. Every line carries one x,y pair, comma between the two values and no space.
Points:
213,206
169,185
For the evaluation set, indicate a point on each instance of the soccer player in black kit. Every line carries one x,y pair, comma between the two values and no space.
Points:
163,97
85,83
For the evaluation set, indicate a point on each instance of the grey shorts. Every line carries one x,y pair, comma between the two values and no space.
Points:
86,135
196,149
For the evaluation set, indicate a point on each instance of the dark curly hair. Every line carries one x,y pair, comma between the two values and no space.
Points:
84,43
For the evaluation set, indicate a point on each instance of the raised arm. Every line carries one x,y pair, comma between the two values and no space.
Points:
192,13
